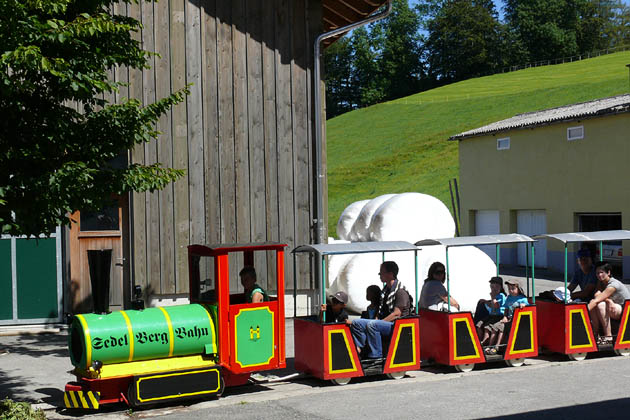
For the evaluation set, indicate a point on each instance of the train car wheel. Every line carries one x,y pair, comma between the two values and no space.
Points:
578,357
515,362
340,381
622,352
396,375
465,367
222,388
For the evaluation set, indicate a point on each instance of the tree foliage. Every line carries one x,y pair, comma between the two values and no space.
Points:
464,41
555,28
380,62
58,136
400,44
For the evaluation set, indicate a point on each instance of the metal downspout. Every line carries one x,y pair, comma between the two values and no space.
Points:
319,216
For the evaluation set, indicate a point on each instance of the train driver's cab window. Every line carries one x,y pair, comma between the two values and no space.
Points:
202,276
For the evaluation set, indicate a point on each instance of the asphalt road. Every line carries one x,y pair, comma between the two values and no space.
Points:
552,388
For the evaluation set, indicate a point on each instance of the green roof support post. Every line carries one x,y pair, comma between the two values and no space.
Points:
448,282
415,254
533,274
294,288
527,245
498,257
323,276
601,250
566,264
383,256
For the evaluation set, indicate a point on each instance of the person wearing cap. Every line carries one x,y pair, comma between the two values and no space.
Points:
253,292
607,303
368,334
516,297
336,311
584,277
491,325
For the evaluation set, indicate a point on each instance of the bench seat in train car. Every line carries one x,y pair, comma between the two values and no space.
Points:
565,327
450,338
327,350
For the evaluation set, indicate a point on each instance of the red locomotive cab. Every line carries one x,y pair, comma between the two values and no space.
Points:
250,335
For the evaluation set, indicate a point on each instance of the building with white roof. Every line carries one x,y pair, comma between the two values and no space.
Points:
563,169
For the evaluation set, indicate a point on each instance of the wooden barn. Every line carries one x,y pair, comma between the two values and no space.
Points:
245,136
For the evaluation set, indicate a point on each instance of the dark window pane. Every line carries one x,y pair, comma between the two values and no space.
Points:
105,219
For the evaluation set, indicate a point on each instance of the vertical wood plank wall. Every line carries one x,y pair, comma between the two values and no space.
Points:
244,135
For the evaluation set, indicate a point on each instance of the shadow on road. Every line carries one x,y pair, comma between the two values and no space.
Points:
611,410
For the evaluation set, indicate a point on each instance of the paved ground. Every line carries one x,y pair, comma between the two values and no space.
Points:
35,368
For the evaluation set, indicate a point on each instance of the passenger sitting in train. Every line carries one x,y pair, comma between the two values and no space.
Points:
335,312
515,299
253,292
369,334
373,295
434,295
607,303
584,277
489,327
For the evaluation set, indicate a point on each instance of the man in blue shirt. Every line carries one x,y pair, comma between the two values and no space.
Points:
584,277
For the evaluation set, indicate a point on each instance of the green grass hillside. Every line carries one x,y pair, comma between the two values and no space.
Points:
402,145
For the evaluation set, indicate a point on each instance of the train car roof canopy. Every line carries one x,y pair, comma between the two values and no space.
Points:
355,247
214,249
507,238
602,235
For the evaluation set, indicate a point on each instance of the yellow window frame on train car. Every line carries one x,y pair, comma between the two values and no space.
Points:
531,332
345,339
586,327
466,321
413,343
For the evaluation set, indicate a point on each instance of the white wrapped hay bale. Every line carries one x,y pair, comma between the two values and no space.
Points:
411,217
347,219
361,228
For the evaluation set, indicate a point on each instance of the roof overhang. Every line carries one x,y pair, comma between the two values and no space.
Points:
340,13
575,112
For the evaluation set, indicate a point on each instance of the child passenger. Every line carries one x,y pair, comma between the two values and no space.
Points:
516,299
335,312
489,327
372,294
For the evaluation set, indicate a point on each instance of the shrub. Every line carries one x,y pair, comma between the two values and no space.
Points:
11,410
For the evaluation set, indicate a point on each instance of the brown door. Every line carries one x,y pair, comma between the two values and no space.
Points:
97,231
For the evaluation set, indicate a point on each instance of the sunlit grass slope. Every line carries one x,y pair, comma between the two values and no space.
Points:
403,145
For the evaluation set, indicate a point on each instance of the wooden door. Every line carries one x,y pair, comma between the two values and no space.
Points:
96,231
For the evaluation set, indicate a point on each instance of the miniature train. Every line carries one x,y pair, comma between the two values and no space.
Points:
170,354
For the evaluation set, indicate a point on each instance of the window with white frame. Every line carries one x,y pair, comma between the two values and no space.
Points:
503,144
575,133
